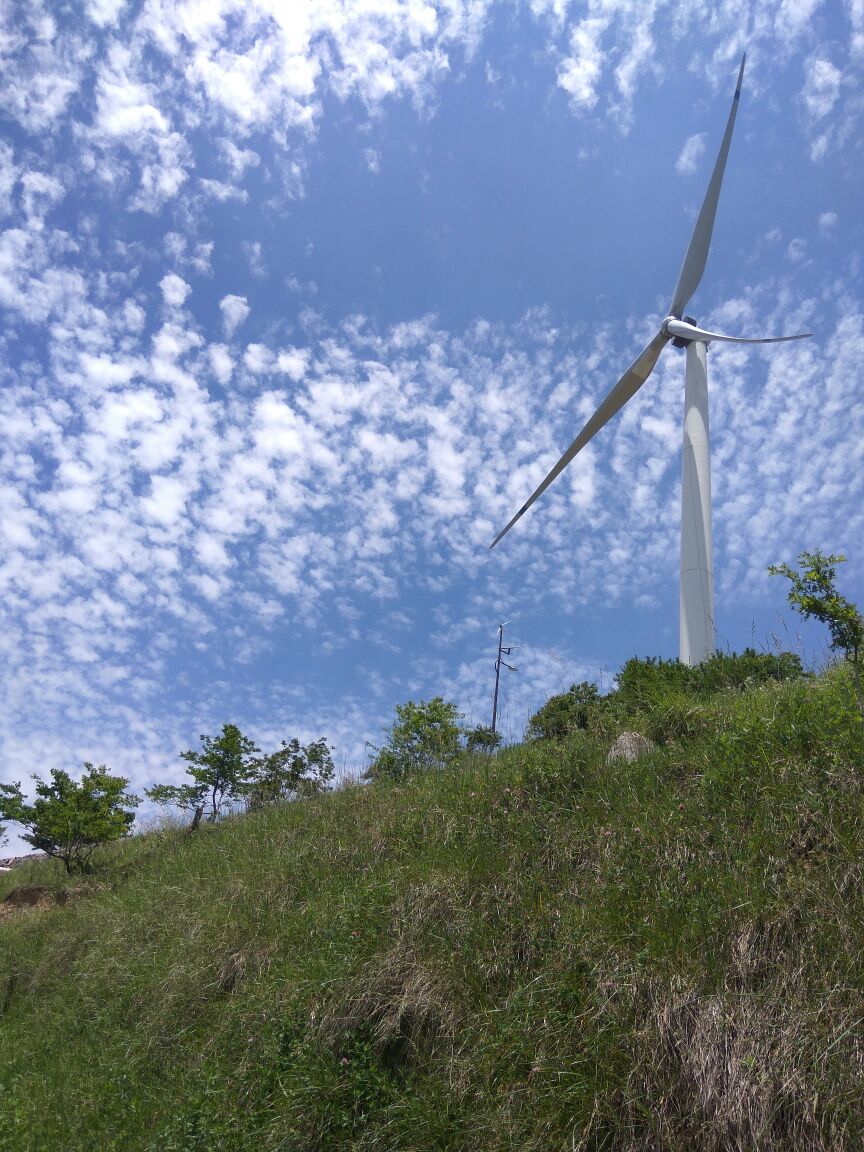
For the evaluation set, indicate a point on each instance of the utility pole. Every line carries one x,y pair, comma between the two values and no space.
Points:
498,662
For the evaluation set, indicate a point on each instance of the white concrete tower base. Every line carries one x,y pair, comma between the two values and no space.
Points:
697,564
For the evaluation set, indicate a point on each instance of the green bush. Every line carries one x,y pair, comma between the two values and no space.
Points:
424,735
565,713
482,739
641,683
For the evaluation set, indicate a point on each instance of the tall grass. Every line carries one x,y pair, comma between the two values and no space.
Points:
534,951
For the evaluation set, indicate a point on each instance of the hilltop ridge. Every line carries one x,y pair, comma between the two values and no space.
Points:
533,949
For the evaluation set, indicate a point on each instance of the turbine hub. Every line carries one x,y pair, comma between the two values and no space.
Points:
679,341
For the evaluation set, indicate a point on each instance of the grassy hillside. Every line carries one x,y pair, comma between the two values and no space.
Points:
536,951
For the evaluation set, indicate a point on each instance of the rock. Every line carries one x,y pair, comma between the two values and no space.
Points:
629,747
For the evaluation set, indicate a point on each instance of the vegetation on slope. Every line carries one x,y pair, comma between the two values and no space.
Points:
528,950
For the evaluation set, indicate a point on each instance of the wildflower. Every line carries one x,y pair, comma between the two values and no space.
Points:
344,1061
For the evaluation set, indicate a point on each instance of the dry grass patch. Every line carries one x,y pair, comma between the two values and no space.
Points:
405,1008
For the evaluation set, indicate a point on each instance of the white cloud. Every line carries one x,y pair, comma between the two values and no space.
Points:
690,155
827,222
105,13
125,107
254,253
626,43
258,358
239,159
821,89
40,193
163,176
199,259
9,174
221,362
222,192
41,68
128,115
167,500
293,362
34,282
174,290
580,72
234,310
797,250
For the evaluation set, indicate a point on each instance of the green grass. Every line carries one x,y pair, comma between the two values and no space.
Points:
535,951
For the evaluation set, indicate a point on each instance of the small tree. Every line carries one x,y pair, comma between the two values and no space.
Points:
425,735
482,739
68,820
221,772
814,595
564,713
293,770
186,797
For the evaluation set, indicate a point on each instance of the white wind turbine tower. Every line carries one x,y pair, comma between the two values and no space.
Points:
697,574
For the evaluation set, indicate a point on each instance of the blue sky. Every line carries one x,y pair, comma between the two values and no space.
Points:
301,301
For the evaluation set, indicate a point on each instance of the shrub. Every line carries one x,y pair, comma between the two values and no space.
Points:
482,739
294,770
425,735
642,683
565,713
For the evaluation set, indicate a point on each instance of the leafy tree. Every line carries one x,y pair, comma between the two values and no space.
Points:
186,797
425,735
221,772
564,713
293,770
814,594
482,739
68,820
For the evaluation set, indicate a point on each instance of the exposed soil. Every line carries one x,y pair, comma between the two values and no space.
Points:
27,896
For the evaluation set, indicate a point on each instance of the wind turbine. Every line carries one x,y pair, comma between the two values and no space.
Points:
697,574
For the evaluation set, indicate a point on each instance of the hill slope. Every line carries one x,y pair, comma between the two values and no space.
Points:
536,951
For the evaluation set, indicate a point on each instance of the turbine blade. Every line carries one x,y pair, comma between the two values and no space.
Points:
689,331
624,390
700,241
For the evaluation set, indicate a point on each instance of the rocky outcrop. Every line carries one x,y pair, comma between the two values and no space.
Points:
9,862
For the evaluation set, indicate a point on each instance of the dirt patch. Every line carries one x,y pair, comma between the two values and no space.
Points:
28,896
